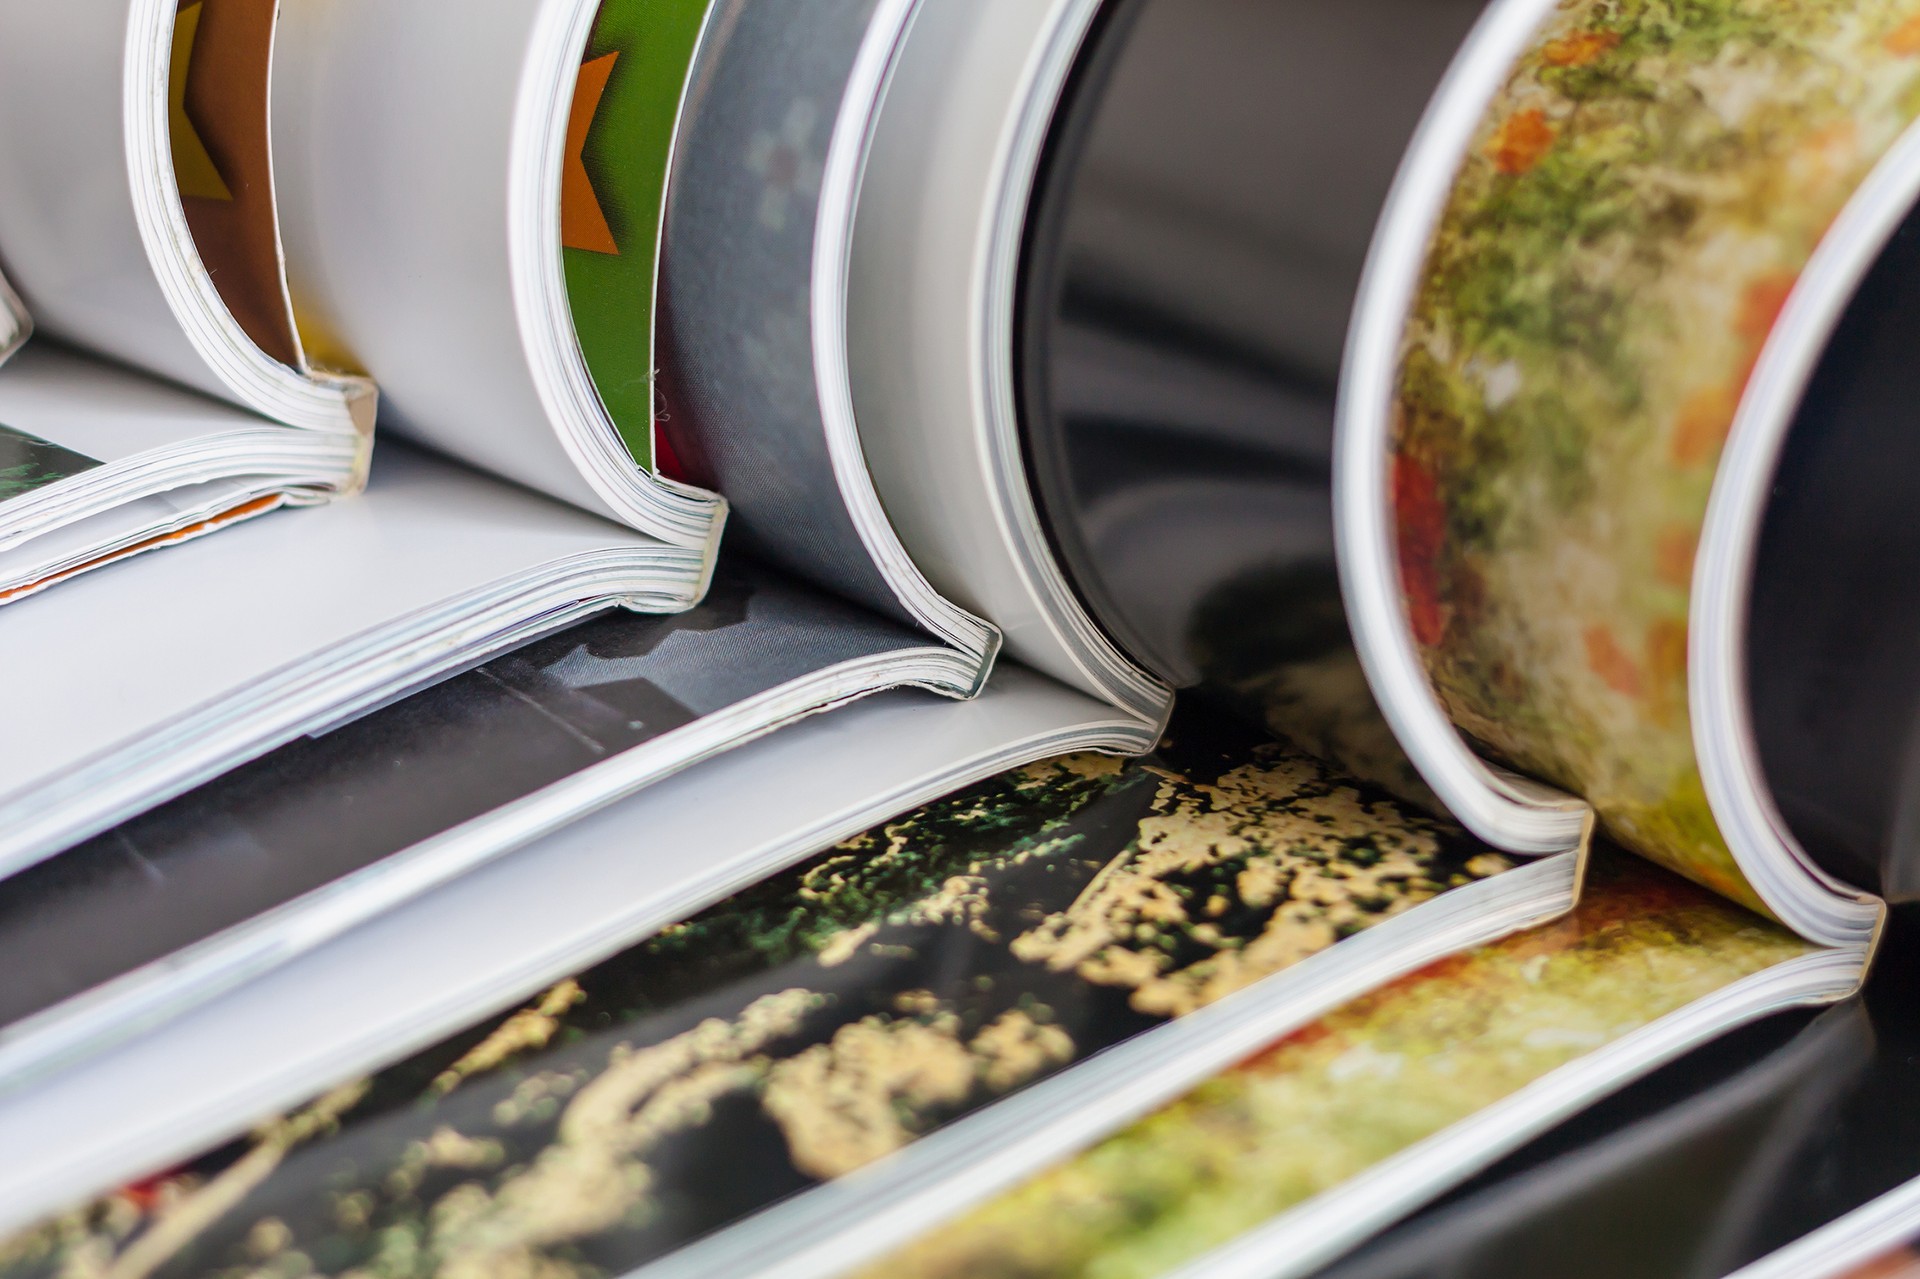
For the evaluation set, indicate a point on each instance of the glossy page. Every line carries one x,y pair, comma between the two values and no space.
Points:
1834,617
1720,1159
1209,195
1345,1095
811,1025
620,133
1643,193
740,349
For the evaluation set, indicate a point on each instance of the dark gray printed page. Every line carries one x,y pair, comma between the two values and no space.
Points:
323,808
737,282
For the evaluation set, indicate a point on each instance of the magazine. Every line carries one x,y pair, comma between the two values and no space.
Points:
1547,566
793,411
140,222
1526,505
287,628
843,1009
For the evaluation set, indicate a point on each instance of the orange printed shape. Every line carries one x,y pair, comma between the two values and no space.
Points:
583,223
1673,555
1667,666
1702,424
1523,138
1421,522
1611,663
245,511
1761,304
1904,40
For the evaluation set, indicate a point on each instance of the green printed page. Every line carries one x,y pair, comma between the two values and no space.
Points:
28,462
613,184
1362,1084
811,1025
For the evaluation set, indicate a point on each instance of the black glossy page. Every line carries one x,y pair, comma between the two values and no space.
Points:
1727,1155
1196,245
325,807
1834,622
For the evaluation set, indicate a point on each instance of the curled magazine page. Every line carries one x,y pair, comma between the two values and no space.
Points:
205,891
1834,691
1745,1153
622,122
814,1024
1555,460
480,231
772,151
141,222
1574,367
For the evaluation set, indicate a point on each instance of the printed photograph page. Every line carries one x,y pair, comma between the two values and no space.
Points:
1327,1104
775,94
811,1025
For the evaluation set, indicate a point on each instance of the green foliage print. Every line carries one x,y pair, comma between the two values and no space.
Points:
1640,199
28,462
618,148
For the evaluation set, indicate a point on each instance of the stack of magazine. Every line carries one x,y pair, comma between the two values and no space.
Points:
959,637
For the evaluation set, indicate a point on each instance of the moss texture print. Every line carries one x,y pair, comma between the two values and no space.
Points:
612,184
1361,1084
801,1030
1641,198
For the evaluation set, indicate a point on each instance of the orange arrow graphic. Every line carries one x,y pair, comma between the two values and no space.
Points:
583,223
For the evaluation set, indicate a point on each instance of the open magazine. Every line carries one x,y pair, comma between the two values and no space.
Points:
1193,1018
821,605
818,443
140,222
818,402
297,623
